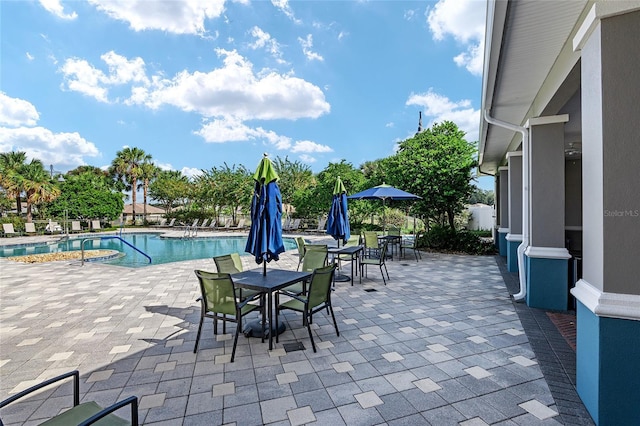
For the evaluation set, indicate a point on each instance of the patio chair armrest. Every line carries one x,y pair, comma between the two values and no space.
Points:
132,400
76,388
257,296
294,296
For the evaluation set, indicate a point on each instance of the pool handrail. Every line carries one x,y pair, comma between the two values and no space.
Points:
111,237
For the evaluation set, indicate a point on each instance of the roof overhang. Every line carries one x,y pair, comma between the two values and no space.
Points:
530,68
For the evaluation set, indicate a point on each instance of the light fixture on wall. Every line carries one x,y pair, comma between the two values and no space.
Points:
574,150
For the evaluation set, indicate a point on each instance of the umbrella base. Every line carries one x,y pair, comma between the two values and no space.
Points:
341,278
254,329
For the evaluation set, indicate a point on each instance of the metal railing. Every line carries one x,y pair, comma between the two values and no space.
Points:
84,240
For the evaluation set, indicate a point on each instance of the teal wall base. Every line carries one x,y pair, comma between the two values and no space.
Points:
547,283
512,255
502,243
608,367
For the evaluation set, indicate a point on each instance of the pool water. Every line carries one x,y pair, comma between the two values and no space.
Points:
161,250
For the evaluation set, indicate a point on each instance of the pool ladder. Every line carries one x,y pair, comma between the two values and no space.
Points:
190,231
84,240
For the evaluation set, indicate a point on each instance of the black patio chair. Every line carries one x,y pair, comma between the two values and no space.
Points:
411,243
377,259
81,414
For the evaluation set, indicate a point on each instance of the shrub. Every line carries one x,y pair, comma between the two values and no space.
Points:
447,240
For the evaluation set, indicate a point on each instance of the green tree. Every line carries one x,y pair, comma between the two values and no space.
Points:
479,195
294,176
11,179
170,188
148,172
127,168
316,200
86,193
37,185
225,187
435,164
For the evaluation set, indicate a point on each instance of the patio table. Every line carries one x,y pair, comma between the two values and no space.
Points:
276,279
392,240
352,251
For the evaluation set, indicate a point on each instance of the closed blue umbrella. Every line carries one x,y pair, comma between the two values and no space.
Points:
338,221
265,236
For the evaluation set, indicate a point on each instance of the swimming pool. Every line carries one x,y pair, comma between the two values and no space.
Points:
161,250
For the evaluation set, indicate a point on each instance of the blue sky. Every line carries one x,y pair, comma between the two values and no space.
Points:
200,83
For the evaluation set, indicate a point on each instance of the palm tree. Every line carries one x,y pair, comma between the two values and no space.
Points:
148,172
11,179
38,185
126,167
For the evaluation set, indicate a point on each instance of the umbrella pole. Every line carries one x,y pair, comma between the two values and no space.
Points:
264,268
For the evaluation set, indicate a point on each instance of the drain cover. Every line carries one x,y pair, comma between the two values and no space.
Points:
369,290
290,347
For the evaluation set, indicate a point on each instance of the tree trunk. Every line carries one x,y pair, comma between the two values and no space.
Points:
451,217
133,200
144,192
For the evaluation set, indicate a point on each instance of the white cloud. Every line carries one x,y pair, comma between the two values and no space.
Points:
441,108
122,70
284,7
179,17
464,20
64,150
307,158
54,7
229,129
190,172
235,90
309,146
17,112
163,166
307,45
80,76
29,56
264,40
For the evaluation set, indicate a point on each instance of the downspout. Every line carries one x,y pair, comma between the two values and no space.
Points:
525,199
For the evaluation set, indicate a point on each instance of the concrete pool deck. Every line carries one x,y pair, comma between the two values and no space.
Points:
441,344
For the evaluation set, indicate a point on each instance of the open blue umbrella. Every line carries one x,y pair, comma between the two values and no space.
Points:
338,221
265,236
384,192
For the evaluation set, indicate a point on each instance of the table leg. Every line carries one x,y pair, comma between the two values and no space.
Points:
270,307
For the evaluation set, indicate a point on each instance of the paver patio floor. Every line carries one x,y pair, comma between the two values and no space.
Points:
441,344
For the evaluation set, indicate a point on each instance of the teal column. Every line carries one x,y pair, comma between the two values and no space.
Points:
608,295
513,242
547,278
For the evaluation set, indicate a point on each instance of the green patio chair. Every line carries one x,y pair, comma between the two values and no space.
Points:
301,243
317,298
315,257
232,264
377,260
371,245
219,301
87,413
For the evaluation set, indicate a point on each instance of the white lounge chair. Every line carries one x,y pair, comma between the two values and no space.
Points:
321,224
8,230
76,226
95,225
30,228
238,227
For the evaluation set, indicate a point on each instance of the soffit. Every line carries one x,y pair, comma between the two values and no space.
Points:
535,34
